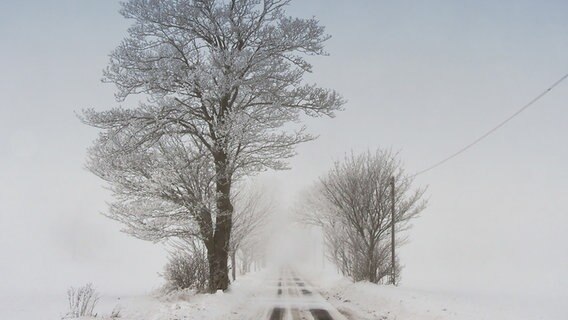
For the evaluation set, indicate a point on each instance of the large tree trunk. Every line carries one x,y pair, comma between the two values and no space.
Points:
218,258
218,269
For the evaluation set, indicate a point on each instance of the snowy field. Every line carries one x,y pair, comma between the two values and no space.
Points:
365,300
369,301
139,307
353,300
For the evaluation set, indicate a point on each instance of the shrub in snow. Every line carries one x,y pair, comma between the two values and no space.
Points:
115,314
82,301
187,268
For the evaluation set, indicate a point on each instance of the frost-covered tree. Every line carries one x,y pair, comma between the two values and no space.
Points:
352,203
163,188
220,80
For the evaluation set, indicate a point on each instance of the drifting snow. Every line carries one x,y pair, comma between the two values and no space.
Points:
365,300
188,306
181,305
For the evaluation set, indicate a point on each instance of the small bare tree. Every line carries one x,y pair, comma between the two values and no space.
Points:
352,204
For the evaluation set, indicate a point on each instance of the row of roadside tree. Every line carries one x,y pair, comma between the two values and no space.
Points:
222,92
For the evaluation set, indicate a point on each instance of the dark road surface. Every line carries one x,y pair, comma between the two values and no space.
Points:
290,297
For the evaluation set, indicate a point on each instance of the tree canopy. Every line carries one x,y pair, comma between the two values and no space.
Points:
221,82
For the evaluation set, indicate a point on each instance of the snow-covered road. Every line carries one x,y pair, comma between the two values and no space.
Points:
287,296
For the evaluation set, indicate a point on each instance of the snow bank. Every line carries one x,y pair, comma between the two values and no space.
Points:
369,301
228,305
180,305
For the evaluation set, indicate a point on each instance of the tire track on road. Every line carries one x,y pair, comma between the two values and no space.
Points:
296,300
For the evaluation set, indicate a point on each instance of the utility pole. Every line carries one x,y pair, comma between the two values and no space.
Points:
393,260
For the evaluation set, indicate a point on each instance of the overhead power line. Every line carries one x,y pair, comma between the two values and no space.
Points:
492,130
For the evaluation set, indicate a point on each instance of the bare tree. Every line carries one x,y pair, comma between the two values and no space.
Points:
252,252
223,77
352,204
249,217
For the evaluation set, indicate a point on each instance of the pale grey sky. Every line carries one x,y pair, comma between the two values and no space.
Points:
422,77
